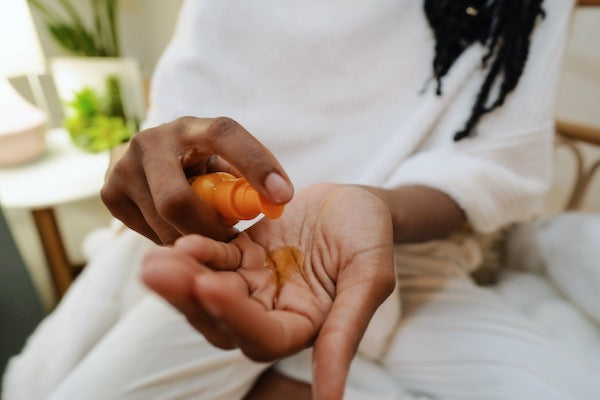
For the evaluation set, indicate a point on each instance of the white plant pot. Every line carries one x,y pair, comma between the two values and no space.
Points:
71,74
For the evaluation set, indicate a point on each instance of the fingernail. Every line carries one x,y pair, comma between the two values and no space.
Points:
278,188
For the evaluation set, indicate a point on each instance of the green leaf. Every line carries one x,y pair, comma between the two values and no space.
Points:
76,41
69,30
115,104
89,125
86,103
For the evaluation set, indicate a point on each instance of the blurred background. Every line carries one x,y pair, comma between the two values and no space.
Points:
60,177
141,31
145,27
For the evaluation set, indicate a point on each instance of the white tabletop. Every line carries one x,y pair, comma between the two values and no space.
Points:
64,173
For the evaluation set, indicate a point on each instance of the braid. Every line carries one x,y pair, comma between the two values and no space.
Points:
503,26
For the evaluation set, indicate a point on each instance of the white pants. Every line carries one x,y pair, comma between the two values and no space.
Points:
111,339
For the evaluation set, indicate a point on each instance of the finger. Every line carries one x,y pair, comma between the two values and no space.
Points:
218,255
122,208
176,203
134,219
216,163
245,153
352,309
171,275
262,335
144,202
126,191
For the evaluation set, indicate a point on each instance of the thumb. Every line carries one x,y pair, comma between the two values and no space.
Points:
340,335
332,354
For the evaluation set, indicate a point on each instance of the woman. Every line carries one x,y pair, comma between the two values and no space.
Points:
342,93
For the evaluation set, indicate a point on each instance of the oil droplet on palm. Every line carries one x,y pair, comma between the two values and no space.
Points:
284,262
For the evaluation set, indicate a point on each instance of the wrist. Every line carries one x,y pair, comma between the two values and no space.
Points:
397,212
420,213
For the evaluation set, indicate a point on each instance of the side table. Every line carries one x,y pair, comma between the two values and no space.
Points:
63,174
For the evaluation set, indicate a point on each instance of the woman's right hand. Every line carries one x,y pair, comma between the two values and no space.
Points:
147,187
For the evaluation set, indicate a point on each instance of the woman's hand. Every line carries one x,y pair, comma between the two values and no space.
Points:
147,188
315,276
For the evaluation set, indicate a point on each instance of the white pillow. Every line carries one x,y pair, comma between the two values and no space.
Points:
567,248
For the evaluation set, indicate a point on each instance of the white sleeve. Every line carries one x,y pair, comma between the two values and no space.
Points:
500,174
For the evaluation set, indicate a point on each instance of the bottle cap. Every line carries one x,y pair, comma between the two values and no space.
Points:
232,197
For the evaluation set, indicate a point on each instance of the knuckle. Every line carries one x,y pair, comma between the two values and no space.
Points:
170,204
187,128
136,144
182,130
145,139
137,140
121,168
115,203
110,196
180,125
215,338
259,355
222,126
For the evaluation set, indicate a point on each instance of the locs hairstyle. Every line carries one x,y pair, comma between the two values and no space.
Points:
503,26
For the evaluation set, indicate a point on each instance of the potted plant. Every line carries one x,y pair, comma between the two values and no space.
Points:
101,91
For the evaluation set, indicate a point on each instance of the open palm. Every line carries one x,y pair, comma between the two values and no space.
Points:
314,276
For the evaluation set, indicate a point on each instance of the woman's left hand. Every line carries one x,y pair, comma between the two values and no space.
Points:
315,276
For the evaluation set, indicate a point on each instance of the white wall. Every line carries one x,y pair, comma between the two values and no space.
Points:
145,28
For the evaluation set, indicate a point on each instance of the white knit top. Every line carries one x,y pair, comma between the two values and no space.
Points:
341,91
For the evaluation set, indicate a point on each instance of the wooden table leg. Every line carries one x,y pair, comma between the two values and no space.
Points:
56,256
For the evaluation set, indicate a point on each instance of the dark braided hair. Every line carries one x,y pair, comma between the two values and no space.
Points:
503,26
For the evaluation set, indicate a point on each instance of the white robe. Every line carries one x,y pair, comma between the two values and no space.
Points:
341,91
